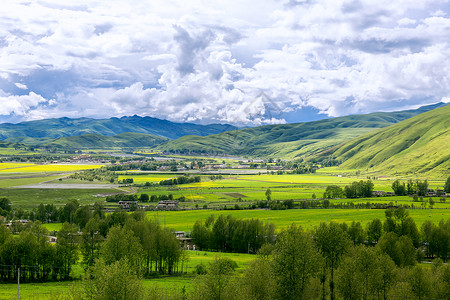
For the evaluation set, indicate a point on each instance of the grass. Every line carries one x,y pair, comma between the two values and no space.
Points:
29,198
307,218
13,181
142,179
50,290
37,291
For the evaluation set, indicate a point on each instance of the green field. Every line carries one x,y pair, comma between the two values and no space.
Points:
307,218
29,198
50,168
52,290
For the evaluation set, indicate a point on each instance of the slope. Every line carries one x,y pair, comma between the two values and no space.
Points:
92,141
420,144
289,140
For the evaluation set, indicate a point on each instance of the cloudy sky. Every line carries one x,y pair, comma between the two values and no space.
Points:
216,61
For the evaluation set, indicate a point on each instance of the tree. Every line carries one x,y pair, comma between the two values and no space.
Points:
295,261
447,185
90,242
332,243
120,244
356,233
333,191
420,282
422,187
201,235
268,194
82,216
374,231
144,198
118,280
68,211
259,279
399,188
217,283
67,248
5,206
400,249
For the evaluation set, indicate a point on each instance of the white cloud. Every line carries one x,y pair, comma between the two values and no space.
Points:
207,61
19,105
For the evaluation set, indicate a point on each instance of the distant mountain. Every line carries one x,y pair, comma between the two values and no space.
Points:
43,131
92,140
418,144
290,140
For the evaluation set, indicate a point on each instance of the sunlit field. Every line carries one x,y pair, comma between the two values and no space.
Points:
307,218
50,168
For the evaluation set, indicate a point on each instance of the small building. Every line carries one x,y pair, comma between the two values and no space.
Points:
378,193
167,205
127,204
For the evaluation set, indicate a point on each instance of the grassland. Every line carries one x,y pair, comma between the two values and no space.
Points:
419,144
247,189
51,290
307,218
29,198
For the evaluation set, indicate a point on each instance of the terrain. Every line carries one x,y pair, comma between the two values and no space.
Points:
290,141
42,131
419,144
93,140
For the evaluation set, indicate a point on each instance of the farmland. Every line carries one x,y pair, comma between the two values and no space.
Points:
307,218
52,290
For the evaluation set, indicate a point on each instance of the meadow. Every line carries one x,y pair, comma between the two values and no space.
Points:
52,290
307,218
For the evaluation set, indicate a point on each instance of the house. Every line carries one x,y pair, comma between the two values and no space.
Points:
378,193
185,242
167,205
127,204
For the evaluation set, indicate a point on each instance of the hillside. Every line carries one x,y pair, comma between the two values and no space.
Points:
419,144
43,131
290,140
91,140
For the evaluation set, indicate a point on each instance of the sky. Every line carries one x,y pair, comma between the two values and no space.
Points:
214,61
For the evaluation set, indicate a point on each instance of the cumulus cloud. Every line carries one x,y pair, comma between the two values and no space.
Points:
209,62
19,105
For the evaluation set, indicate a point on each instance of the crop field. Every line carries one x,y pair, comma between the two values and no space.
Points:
252,188
13,181
142,179
50,168
307,218
29,198
6,166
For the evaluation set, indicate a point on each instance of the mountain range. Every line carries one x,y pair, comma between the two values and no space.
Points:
405,141
290,140
44,131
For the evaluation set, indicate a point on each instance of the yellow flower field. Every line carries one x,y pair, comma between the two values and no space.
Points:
32,168
4,166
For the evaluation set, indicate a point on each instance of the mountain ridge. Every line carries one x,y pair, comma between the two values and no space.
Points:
42,131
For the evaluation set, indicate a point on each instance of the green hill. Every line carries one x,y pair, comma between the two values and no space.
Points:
43,131
289,140
419,144
92,141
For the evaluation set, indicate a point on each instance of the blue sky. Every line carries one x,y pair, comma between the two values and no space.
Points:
240,62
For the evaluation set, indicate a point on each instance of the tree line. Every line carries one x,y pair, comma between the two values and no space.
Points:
229,234
144,244
332,261
358,189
